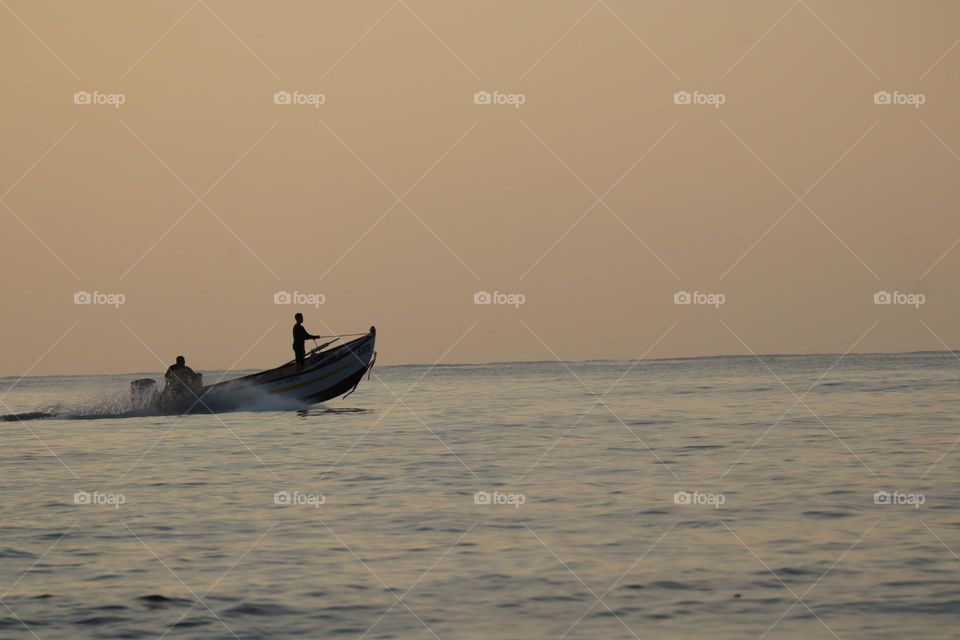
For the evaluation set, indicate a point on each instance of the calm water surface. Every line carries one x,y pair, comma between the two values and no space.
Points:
705,498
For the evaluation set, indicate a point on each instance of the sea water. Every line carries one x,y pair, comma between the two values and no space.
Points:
797,497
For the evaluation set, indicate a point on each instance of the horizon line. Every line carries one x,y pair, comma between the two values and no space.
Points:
555,361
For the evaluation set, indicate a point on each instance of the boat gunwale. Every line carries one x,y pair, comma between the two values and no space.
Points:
322,359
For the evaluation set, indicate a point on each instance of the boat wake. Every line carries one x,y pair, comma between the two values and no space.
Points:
119,405
113,405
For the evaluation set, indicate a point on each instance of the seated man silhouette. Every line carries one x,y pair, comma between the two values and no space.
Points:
181,378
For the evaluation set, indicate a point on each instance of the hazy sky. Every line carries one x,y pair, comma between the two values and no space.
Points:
198,198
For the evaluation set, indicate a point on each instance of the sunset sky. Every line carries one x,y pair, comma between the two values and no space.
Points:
589,190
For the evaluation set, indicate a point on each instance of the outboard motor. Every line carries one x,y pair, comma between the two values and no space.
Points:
141,390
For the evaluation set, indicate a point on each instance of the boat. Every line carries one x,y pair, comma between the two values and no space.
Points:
329,372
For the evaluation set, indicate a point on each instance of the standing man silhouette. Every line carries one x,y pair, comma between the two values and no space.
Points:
300,336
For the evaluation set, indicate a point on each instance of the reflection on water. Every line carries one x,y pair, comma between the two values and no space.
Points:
699,499
319,411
